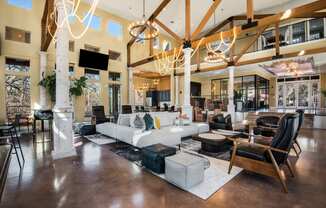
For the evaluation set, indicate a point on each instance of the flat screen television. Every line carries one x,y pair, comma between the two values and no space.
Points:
94,60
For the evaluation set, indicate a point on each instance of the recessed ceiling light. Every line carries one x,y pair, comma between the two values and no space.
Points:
172,22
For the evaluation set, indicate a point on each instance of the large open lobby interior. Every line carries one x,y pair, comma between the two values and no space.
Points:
162,103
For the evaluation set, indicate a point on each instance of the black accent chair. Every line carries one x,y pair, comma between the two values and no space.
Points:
137,109
126,109
266,125
166,107
158,108
172,109
99,114
268,159
268,132
301,117
221,122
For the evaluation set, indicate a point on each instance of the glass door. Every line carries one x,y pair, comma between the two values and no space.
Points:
114,99
291,97
303,95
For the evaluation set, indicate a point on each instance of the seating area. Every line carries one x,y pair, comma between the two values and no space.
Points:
162,103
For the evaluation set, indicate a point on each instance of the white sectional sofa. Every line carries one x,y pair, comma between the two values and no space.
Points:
168,134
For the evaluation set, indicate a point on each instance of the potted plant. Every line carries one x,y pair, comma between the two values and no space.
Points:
76,88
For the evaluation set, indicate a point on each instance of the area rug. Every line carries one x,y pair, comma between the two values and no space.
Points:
100,139
216,176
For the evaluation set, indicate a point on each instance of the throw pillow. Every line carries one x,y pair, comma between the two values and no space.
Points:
149,122
157,122
138,122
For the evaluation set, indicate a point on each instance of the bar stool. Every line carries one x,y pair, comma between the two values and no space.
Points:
9,132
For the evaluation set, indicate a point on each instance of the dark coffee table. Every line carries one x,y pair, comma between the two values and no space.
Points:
213,143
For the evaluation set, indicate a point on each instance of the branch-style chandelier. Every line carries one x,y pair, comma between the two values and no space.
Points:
144,29
71,8
217,51
167,63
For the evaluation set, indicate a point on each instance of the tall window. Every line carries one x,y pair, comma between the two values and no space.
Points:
115,29
114,76
17,85
156,43
298,34
92,95
166,46
24,4
92,74
316,29
95,22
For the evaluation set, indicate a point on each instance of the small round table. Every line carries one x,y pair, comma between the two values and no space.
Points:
212,142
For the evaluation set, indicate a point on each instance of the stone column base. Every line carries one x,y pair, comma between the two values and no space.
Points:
63,133
187,109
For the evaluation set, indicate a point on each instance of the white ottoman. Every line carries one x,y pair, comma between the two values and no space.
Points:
184,170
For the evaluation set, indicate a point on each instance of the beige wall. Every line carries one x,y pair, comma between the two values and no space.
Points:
30,20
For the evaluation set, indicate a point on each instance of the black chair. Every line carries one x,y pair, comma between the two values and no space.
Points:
221,122
137,109
268,159
126,109
269,132
158,108
166,107
301,117
99,114
172,109
266,125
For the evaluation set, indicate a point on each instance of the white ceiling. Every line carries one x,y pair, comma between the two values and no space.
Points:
173,15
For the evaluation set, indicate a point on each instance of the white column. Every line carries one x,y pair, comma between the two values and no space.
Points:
131,86
172,88
231,107
176,93
62,128
43,65
187,108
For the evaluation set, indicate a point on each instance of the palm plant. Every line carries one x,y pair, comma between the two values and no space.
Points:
76,88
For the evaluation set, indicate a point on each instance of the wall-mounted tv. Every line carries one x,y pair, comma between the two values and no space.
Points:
94,60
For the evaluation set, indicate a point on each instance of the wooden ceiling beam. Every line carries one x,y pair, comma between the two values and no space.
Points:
245,48
46,22
219,26
250,10
260,16
164,27
204,21
298,11
188,20
157,11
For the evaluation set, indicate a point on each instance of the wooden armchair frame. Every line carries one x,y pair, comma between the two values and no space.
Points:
265,168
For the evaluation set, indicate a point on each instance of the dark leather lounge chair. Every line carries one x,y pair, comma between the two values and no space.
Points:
270,132
221,122
99,114
264,159
266,125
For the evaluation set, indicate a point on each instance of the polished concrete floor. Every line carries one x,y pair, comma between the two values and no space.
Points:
99,178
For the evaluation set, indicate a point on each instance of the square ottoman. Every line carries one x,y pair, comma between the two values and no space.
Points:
152,157
184,170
